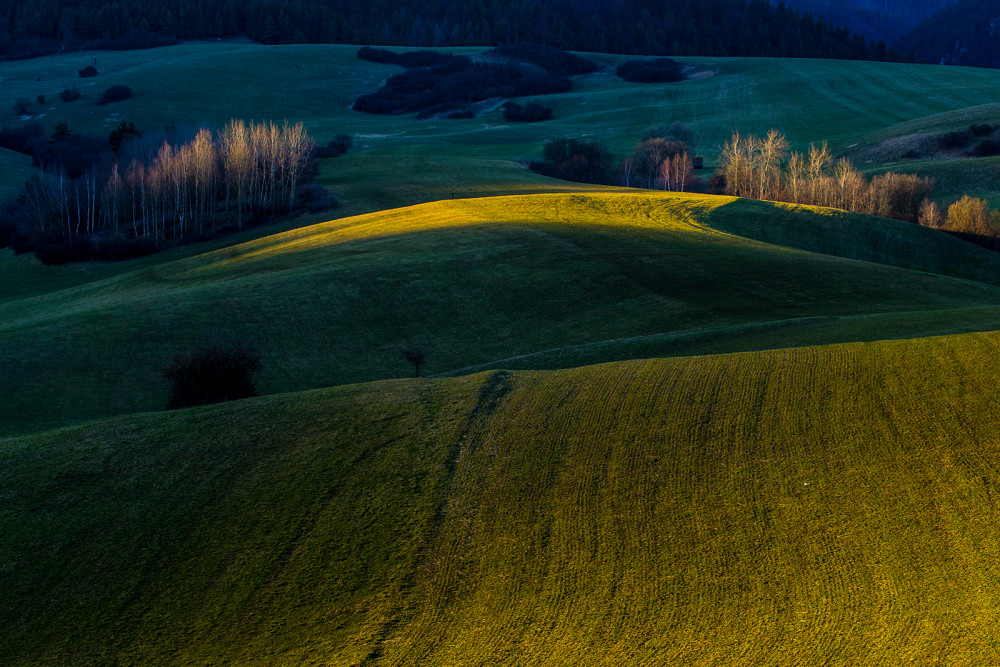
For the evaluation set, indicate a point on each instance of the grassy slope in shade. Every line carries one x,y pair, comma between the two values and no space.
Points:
15,169
477,281
831,505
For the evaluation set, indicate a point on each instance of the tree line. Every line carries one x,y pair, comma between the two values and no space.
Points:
765,168
749,166
217,180
651,27
964,33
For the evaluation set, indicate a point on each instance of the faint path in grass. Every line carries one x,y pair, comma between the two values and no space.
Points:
462,448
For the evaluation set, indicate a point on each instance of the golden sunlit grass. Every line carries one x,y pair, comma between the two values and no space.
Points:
829,505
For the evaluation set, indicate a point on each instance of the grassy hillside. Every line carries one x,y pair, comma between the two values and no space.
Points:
810,100
476,281
830,505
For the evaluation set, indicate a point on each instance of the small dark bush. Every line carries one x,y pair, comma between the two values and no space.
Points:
40,99
70,94
981,129
337,146
313,197
531,112
21,106
657,70
416,355
956,139
986,148
217,371
87,72
115,94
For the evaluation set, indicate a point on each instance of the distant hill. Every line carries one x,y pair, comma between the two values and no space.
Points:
682,27
965,33
888,20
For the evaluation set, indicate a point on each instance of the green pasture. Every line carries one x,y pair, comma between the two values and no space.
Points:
476,282
662,428
829,505
845,103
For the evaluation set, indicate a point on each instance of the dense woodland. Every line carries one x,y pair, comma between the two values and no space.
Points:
875,19
966,33
681,27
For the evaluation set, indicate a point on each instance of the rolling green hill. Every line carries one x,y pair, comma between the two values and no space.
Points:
831,505
586,479
478,281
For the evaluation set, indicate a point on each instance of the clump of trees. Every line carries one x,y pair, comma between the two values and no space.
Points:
970,219
655,70
457,83
408,60
661,160
532,112
216,371
444,84
764,168
336,147
548,58
214,182
658,162
580,160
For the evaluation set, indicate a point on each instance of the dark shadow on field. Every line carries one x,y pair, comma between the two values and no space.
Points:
861,237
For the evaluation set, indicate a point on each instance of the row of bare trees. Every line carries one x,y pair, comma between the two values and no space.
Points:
216,179
765,168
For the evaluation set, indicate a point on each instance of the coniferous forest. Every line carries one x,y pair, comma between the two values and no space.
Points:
684,27
963,34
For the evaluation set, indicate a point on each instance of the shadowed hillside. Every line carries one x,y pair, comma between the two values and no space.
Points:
475,282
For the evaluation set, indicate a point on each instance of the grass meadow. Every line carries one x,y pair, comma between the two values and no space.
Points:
660,428
848,104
